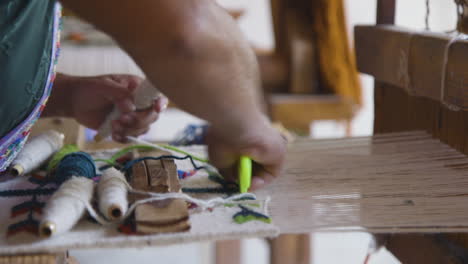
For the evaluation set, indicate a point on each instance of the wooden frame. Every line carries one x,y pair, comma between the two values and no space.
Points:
409,94
299,104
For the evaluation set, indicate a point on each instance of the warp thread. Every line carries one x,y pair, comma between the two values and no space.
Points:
404,69
75,164
59,155
115,159
36,151
166,148
112,192
66,206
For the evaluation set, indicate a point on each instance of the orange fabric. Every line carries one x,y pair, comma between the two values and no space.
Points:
337,63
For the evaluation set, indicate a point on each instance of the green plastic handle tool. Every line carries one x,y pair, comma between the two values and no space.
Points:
245,173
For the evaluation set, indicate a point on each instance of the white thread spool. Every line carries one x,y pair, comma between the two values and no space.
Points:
112,192
145,95
36,151
66,206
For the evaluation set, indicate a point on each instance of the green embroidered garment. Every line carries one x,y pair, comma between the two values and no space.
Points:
26,33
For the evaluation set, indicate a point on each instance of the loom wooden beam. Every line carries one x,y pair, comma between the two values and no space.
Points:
165,216
424,248
414,61
298,111
73,131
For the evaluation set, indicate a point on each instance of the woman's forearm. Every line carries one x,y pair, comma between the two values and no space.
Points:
193,51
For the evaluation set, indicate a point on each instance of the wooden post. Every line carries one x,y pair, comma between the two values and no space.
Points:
386,11
228,252
290,248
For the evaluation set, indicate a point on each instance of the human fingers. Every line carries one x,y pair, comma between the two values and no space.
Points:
119,88
139,119
160,104
120,133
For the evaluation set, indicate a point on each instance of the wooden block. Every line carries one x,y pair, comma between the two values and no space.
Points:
173,177
139,178
180,226
162,212
170,215
157,176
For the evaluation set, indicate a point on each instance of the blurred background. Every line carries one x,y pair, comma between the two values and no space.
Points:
86,51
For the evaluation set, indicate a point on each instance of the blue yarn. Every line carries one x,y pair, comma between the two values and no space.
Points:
79,164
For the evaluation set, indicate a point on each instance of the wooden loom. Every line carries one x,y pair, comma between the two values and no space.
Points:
421,83
311,74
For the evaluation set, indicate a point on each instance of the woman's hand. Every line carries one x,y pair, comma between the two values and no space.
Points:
262,143
90,99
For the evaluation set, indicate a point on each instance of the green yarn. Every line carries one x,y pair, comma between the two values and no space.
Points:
257,205
241,219
169,147
58,156
122,152
128,149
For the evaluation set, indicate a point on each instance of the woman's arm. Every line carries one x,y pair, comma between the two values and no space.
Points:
90,99
191,49
194,53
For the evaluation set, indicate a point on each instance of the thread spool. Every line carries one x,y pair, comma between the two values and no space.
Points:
145,95
77,163
36,151
112,192
59,155
66,206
